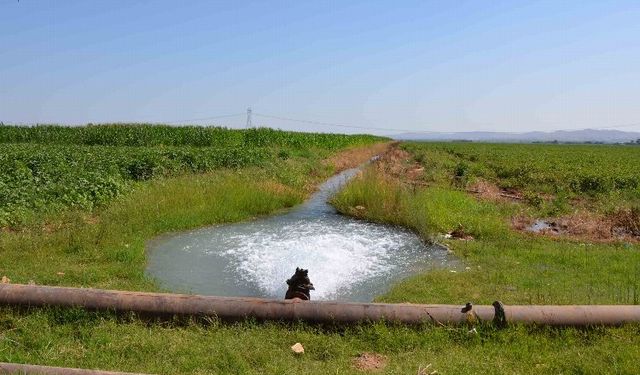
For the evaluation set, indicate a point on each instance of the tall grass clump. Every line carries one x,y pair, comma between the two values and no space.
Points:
430,212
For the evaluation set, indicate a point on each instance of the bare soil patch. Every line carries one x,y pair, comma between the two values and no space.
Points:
400,165
627,222
489,191
353,157
459,234
585,226
370,362
623,225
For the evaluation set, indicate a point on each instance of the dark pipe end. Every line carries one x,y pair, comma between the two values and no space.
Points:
467,307
500,317
299,285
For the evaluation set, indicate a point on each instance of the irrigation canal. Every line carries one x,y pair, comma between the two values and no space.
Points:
348,259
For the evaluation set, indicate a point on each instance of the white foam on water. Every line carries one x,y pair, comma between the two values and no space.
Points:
346,258
336,257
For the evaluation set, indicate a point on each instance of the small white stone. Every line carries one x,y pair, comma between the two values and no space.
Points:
297,348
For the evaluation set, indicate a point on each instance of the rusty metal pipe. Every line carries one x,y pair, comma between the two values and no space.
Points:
232,308
574,315
15,368
238,308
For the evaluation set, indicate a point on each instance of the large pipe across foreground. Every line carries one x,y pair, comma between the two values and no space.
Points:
232,308
237,308
15,368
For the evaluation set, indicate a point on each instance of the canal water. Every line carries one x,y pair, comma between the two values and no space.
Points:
348,259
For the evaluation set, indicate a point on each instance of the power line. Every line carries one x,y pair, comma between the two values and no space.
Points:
413,130
203,118
339,125
249,113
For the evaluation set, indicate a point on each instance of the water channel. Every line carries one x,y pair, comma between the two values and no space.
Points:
348,259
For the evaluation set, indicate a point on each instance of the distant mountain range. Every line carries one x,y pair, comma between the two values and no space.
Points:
577,136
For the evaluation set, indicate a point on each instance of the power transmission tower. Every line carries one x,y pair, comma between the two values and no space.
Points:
249,124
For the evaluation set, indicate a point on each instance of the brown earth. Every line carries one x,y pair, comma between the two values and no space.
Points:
370,362
354,157
582,225
587,226
486,190
400,165
627,221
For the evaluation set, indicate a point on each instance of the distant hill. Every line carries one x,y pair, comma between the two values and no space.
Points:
578,136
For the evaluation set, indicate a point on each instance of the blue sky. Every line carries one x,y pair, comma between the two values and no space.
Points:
407,65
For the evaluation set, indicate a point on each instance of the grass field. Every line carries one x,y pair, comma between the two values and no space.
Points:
597,173
87,211
504,264
46,170
500,262
424,187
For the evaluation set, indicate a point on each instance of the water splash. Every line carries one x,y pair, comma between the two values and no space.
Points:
347,259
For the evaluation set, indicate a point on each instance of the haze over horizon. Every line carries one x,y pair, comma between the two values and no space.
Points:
411,66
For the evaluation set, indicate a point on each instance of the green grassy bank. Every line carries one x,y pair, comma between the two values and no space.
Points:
79,204
499,263
106,249
48,170
89,340
102,245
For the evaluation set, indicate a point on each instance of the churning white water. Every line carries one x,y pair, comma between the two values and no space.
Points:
347,259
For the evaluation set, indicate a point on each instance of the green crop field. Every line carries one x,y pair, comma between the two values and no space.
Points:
162,135
48,169
557,169
79,204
